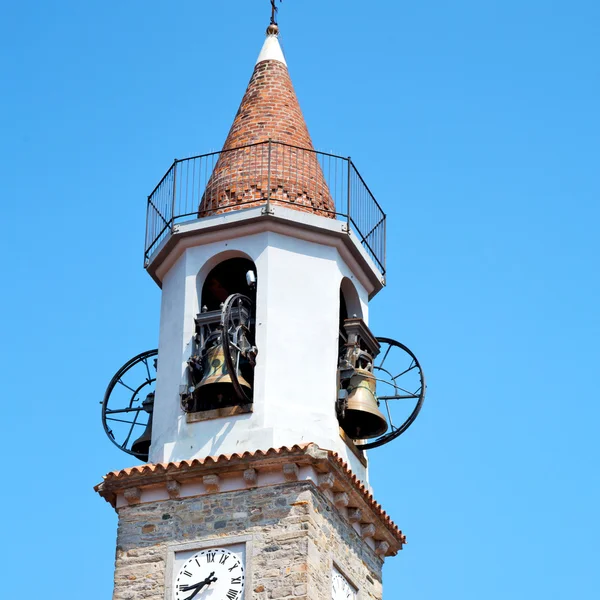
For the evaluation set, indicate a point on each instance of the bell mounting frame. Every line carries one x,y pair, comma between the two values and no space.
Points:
392,390
122,406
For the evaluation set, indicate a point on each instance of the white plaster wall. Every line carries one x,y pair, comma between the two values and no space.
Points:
297,338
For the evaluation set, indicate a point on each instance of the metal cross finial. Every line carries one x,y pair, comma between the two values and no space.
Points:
274,11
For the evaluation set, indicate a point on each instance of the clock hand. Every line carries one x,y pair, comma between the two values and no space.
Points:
198,587
187,588
209,579
196,592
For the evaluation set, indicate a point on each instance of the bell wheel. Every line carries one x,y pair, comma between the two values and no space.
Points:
238,344
400,389
126,408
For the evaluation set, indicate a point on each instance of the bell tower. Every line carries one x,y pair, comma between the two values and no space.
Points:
253,416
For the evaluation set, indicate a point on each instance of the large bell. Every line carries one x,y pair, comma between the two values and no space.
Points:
141,446
216,390
362,418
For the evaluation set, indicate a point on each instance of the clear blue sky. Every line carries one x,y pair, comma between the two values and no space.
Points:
476,124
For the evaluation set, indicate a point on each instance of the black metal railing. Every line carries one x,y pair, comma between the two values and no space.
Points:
264,174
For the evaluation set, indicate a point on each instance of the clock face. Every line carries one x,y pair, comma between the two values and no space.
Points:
340,588
215,573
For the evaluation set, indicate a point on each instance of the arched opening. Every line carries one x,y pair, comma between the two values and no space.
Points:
357,405
350,307
221,368
351,299
228,277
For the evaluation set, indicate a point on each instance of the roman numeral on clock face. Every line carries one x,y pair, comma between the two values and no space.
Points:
223,559
235,580
232,594
210,557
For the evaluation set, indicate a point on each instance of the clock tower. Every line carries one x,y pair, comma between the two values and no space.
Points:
253,416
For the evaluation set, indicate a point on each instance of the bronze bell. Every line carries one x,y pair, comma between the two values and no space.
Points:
216,390
362,418
141,446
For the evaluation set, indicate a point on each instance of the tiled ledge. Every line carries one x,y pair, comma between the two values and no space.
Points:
213,475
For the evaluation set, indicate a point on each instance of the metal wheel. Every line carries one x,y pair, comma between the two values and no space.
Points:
238,341
400,389
123,416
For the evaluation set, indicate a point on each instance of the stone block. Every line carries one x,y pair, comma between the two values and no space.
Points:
173,489
381,548
212,483
290,472
326,481
367,530
354,515
342,499
250,477
133,495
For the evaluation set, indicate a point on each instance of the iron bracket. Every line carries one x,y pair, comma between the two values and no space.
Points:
341,403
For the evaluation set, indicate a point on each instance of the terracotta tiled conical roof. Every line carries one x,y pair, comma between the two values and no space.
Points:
269,111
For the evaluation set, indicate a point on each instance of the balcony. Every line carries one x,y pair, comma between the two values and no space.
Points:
266,174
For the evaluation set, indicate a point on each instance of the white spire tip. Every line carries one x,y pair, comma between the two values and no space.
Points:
271,50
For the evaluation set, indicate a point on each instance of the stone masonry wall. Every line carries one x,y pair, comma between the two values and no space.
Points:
296,534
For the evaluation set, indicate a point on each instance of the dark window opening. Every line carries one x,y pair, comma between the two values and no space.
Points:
228,277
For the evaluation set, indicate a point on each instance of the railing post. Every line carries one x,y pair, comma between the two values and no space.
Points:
174,194
147,235
348,207
384,244
269,179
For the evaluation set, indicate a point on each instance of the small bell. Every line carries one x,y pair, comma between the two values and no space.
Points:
141,446
362,418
